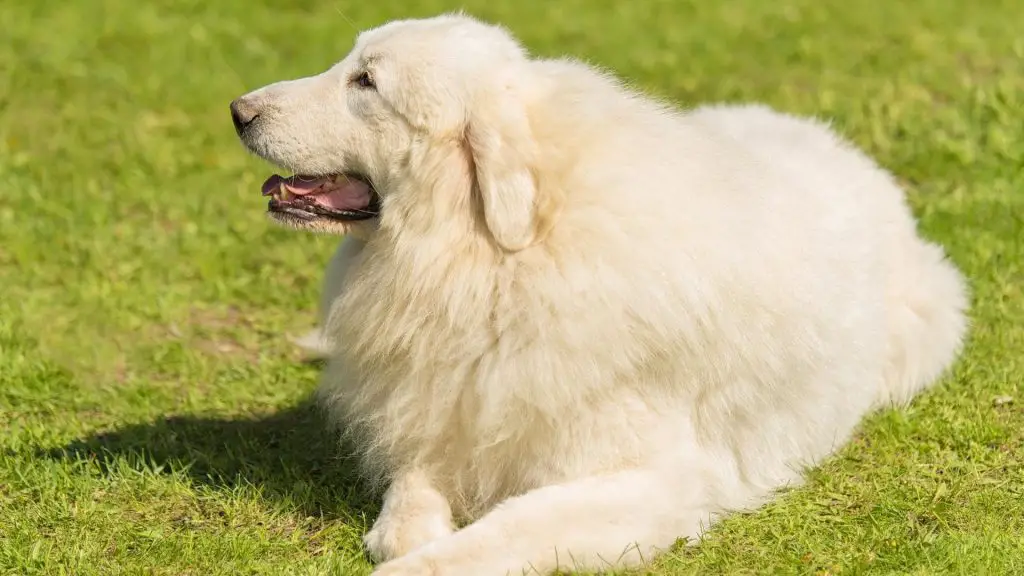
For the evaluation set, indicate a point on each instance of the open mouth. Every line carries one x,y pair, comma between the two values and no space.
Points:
340,197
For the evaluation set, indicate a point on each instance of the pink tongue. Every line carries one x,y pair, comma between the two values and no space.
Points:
341,194
351,195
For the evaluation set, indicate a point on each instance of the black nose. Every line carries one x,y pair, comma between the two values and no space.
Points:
243,114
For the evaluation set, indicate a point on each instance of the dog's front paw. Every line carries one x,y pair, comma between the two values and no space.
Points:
456,556
395,535
314,345
410,565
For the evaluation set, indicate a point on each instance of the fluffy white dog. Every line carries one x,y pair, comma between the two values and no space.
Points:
580,321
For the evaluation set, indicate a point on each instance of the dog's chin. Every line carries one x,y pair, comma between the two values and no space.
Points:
311,223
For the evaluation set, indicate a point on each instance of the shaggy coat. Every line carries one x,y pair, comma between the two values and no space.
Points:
586,323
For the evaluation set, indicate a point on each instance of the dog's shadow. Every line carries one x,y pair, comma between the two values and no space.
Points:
290,456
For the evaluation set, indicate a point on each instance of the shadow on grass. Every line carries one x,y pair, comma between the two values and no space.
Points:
290,457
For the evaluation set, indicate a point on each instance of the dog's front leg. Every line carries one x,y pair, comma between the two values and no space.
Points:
414,513
613,521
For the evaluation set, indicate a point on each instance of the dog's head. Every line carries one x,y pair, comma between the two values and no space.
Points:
421,117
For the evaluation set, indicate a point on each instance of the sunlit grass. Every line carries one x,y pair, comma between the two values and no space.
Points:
154,415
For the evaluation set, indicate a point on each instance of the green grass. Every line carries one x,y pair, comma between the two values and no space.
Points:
154,418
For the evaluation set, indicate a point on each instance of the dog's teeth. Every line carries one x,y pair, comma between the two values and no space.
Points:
283,191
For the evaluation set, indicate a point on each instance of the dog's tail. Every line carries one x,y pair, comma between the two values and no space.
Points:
928,300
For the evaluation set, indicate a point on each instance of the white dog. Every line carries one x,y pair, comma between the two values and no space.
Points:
579,321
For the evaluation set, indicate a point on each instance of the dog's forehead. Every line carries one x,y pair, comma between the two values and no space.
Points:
439,39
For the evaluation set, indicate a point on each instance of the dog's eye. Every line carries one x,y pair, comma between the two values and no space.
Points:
363,80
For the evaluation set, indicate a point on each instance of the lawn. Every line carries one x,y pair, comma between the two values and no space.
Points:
154,417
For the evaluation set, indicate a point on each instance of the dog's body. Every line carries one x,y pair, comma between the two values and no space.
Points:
585,322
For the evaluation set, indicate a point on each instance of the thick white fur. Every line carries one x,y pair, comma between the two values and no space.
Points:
589,324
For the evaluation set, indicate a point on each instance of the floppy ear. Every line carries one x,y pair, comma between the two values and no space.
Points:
504,154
